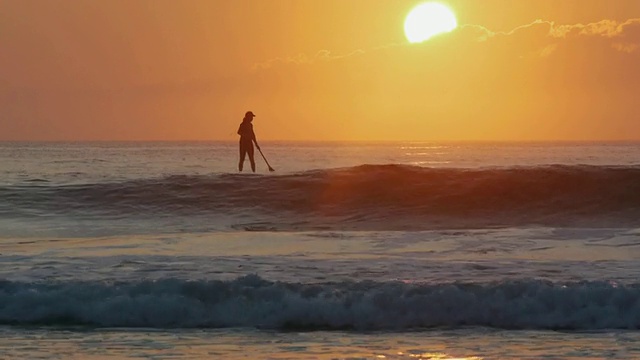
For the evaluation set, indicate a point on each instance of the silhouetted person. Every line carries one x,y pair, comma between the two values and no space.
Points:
247,138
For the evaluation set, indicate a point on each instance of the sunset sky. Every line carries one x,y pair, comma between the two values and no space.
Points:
318,70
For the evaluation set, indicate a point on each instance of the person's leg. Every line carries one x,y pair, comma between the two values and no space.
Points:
243,153
251,159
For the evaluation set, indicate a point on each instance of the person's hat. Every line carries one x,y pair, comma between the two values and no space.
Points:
249,113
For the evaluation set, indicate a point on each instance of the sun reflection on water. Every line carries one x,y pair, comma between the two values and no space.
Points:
438,356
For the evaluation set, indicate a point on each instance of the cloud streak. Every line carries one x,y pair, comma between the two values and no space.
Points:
300,59
605,28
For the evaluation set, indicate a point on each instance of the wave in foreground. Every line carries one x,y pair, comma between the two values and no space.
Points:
383,195
251,301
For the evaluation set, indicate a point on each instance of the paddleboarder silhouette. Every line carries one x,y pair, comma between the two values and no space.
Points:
247,138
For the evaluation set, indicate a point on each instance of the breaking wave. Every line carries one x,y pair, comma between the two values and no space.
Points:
253,302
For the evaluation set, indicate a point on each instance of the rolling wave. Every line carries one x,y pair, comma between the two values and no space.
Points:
253,302
363,196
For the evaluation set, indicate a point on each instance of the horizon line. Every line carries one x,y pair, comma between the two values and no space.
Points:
327,141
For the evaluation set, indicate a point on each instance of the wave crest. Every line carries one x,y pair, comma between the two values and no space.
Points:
397,194
251,301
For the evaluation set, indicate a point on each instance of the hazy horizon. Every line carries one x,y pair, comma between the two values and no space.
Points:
336,141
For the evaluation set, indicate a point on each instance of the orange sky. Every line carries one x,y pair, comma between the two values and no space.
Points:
318,70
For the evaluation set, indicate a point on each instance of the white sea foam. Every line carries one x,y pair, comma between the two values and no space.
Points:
251,301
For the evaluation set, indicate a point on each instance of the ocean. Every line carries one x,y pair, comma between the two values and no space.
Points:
395,250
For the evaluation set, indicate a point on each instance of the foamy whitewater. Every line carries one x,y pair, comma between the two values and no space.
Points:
346,251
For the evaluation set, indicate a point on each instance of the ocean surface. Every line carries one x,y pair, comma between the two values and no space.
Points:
403,250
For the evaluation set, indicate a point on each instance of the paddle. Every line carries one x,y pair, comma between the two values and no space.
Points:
265,160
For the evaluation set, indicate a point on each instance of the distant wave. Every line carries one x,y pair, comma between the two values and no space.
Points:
391,196
251,301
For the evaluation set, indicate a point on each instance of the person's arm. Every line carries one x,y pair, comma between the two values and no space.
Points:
253,137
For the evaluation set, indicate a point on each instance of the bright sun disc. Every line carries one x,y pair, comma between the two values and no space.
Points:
427,20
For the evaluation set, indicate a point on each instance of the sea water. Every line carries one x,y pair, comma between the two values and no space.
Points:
347,251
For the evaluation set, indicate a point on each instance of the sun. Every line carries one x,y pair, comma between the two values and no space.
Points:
427,20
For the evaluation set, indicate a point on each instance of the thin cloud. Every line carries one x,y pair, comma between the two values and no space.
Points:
626,48
485,33
300,59
605,28
321,56
625,35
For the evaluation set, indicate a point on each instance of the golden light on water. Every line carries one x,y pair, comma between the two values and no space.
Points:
438,356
